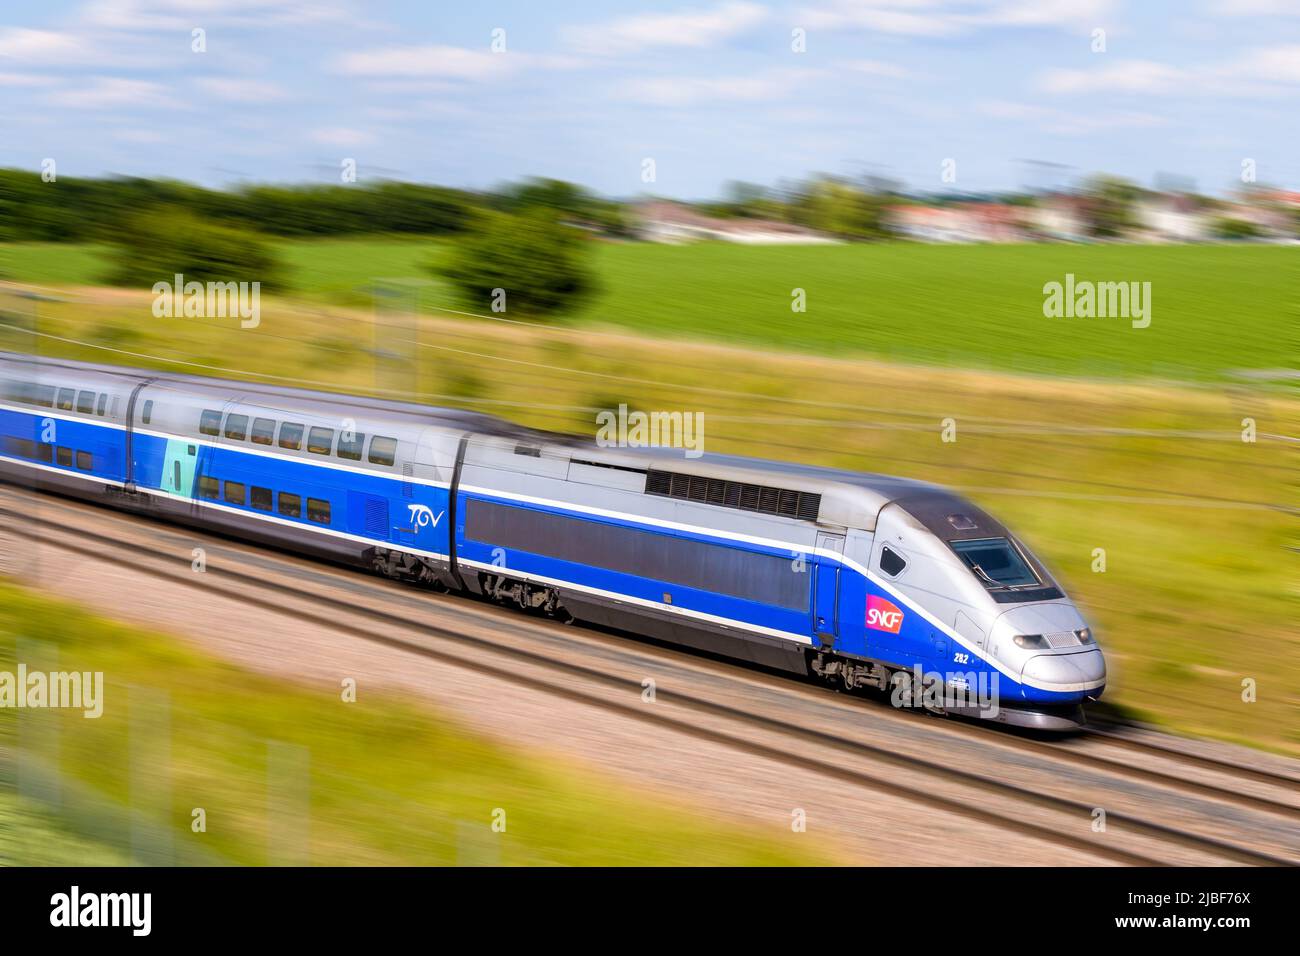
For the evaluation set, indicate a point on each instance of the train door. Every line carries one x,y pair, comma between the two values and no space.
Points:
179,463
826,588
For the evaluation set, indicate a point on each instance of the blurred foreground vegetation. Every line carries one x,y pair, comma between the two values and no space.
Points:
289,773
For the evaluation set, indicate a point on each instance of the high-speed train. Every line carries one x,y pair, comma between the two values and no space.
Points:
862,579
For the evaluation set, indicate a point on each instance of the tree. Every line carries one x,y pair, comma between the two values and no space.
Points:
530,265
155,245
839,208
1111,206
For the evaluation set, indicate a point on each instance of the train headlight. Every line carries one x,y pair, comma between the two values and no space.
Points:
1031,641
1084,634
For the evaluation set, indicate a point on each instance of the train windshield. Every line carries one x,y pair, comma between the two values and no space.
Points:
996,562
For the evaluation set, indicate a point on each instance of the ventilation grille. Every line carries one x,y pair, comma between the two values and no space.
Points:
1062,639
734,494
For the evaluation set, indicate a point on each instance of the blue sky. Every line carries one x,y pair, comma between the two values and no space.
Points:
711,91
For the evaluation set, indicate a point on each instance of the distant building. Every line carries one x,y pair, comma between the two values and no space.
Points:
1174,218
672,222
962,222
1059,216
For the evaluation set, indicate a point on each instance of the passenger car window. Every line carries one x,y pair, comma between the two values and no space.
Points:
210,423
351,450
235,492
383,451
44,395
63,456
85,461
291,435
86,402
208,487
318,511
320,440
103,402
263,431
260,498
65,399
891,563
236,427
290,505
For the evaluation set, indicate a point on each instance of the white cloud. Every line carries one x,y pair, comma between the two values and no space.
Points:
341,136
1129,76
24,79
687,90
240,90
945,17
445,62
107,92
1279,64
20,45
184,15
687,28
875,68
1068,122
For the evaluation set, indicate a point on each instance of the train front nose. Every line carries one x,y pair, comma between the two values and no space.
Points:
1082,670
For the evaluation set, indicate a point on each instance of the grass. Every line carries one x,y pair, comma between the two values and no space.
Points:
383,780
1216,309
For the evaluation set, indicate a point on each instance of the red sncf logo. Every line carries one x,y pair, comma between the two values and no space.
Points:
883,616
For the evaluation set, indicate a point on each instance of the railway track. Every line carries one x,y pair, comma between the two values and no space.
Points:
759,728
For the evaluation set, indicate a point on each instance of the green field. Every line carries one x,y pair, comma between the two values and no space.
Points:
1215,309
383,780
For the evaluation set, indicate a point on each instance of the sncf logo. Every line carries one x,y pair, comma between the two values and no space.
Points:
883,616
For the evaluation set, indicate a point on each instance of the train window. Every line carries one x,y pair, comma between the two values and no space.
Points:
891,563
351,450
44,396
103,403
383,451
66,396
263,431
147,417
85,461
236,427
235,492
209,487
63,456
291,436
210,423
44,452
320,440
260,498
86,402
290,505
722,569
318,511
995,561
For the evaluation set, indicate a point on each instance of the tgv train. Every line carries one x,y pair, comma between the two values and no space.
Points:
861,579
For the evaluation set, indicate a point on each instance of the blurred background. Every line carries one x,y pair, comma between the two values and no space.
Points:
828,226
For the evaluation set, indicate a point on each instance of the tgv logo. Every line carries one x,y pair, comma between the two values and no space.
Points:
422,517
883,616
